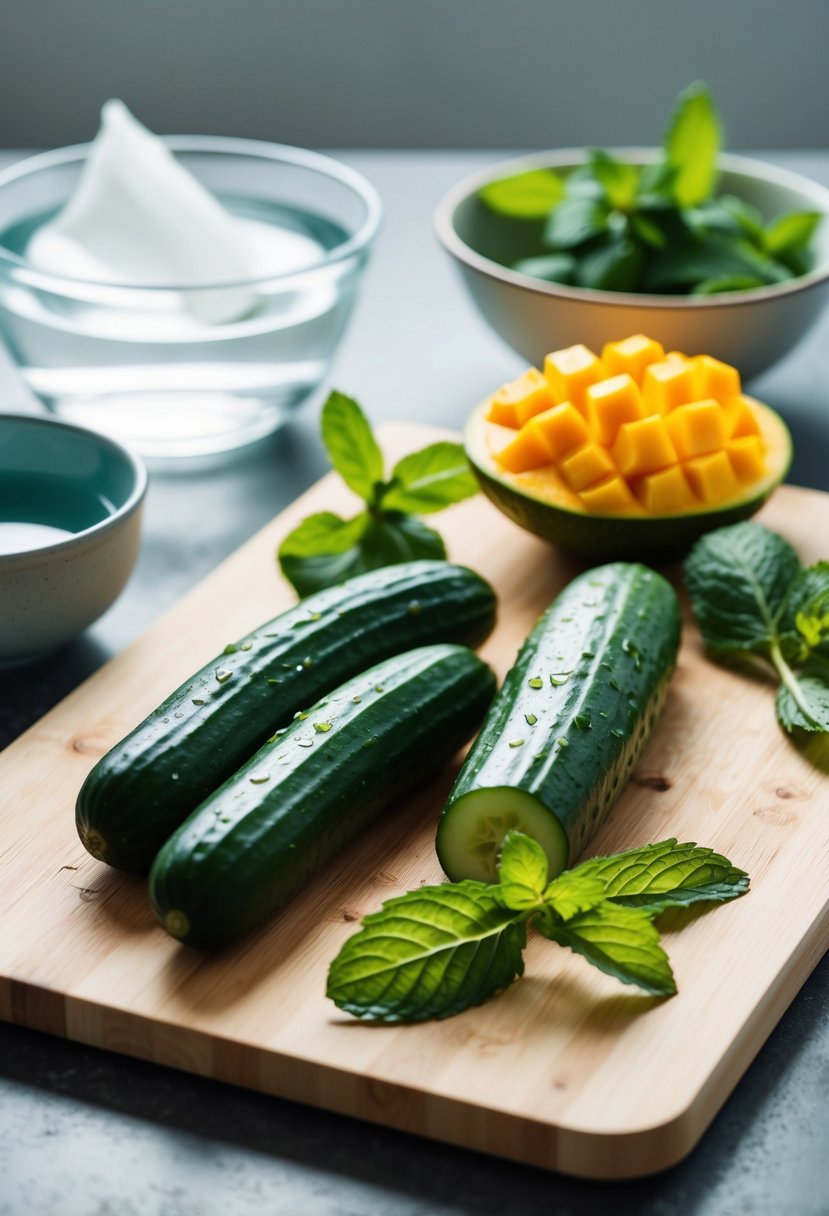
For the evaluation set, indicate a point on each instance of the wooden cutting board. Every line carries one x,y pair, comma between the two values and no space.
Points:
568,1069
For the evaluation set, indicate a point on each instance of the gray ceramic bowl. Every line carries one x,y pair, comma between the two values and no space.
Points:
70,520
751,329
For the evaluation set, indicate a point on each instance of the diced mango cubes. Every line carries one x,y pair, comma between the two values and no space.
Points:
570,372
716,379
643,447
560,429
609,497
526,451
746,456
666,491
739,419
668,384
697,428
711,477
586,466
517,402
637,431
612,402
632,355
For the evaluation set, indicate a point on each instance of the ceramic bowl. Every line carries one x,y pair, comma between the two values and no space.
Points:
70,521
750,329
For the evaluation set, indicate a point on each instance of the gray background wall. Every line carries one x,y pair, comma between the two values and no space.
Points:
414,73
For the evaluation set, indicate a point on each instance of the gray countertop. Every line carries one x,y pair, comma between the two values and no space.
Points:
86,1133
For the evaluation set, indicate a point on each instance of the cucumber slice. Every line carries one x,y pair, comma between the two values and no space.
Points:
568,726
481,820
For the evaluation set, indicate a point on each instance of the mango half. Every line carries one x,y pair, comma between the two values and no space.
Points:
632,455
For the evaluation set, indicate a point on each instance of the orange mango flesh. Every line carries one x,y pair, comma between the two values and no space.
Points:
637,431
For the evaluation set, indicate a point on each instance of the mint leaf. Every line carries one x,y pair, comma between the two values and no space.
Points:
393,537
573,892
656,184
351,446
806,611
555,267
429,954
611,266
662,875
738,579
620,941
576,219
802,701
647,231
733,282
430,480
748,218
791,232
527,196
323,551
522,871
326,550
618,179
692,144
726,214
716,256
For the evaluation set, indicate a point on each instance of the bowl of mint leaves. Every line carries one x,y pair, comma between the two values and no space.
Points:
701,249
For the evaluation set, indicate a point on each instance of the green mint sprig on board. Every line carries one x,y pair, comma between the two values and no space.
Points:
442,949
751,597
616,226
326,549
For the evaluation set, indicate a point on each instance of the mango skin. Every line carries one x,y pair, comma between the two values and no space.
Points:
606,537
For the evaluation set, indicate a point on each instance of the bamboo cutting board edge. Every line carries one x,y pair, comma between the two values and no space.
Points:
560,1144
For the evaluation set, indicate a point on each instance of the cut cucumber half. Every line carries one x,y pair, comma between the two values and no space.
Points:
470,841
568,726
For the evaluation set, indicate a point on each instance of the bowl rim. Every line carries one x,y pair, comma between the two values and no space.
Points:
304,158
444,222
79,540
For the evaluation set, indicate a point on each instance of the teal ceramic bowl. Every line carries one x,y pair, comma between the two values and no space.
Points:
70,524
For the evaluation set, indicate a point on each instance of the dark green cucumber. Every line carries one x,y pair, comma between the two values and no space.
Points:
149,783
569,723
250,846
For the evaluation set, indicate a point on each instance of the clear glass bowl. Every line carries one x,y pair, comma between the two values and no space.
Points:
134,361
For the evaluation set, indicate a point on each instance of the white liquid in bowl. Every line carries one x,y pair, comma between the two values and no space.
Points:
23,537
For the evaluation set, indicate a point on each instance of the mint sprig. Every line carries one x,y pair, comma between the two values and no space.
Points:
326,549
751,596
661,228
442,949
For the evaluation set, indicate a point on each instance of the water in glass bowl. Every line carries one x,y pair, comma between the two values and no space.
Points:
140,364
